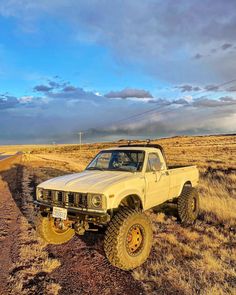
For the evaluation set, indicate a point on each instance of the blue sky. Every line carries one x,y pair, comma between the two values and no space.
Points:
116,69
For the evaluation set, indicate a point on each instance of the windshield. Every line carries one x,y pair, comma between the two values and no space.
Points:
118,160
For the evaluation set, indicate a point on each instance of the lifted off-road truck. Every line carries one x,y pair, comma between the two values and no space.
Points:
113,192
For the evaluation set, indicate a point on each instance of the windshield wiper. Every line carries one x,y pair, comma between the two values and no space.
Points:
95,168
124,170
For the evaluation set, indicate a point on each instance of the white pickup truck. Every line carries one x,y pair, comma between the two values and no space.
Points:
113,192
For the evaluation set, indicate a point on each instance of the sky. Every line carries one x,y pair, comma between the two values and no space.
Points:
116,69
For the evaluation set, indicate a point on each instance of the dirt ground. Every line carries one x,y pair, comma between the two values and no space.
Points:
196,260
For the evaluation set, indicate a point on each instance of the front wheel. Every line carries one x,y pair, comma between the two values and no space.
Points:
128,239
53,231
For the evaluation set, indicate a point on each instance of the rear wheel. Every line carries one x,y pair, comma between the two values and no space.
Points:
188,205
54,231
128,239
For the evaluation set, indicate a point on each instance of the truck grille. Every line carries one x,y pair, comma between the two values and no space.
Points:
82,200
59,197
79,200
71,198
47,195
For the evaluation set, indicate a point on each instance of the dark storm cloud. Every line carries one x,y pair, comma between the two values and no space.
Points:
181,101
69,89
8,102
227,99
63,90
188,88
174,121
51,85
206,88
198,56
54,84
160,102
226,46
129,93
232,89
42,88
73,93
212,87
212,103
167,117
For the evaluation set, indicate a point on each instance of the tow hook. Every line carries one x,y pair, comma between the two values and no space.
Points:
59,223
80,227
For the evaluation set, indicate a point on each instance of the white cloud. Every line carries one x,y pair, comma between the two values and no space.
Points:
25,99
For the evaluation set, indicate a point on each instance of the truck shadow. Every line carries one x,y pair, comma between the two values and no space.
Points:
22,182
168,208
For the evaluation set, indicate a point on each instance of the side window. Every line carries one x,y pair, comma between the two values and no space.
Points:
154,163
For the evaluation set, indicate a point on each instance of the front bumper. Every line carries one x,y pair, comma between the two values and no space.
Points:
75,210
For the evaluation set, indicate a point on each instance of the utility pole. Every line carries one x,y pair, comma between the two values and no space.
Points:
80,139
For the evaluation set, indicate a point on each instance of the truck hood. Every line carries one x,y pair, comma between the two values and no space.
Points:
87,181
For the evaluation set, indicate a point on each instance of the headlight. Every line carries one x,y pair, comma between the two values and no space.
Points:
39,193
96,201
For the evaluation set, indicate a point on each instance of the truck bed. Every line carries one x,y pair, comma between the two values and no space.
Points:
179,175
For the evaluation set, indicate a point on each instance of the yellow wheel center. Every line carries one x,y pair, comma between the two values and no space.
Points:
193,205
134,239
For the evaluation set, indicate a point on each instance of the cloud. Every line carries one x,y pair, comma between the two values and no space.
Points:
26,99
69,89
226,46
198,56
42,88
55,84
158,37
188,88
232,89
129,93
173,122
58,114
64,90
227,99
212,87
8,102
212,103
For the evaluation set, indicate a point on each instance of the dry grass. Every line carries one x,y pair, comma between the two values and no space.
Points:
33,262
218,201
194,260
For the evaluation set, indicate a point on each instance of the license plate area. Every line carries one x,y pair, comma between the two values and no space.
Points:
58,212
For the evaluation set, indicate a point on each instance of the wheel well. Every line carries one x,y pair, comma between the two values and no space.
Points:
132,201
188,183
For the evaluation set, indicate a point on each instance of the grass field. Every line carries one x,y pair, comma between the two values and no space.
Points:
200,259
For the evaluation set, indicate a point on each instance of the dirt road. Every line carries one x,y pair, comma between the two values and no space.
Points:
8,228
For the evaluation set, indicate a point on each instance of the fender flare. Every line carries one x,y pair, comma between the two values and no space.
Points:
118,199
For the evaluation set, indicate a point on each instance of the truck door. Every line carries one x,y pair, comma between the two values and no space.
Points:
157,182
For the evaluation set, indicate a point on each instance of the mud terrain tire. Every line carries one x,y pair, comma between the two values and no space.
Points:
188,205
128,239
46,230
